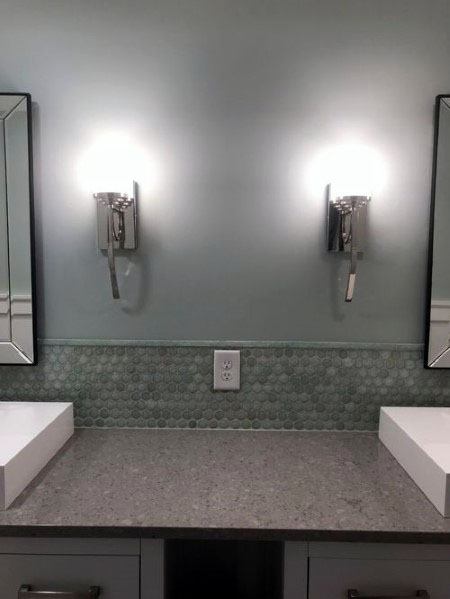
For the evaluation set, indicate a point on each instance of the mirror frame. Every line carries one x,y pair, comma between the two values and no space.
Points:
14,356
437,107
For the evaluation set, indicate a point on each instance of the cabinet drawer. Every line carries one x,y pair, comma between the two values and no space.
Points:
331,578
118,576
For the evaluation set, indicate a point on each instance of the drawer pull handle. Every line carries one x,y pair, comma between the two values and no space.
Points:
26,592
352,594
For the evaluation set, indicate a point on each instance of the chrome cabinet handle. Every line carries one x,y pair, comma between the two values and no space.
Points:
26,592
353,594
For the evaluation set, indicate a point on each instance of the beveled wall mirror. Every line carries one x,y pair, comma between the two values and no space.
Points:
17,336
437,343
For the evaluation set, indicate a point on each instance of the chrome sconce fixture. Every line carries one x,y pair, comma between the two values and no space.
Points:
346,230
116,227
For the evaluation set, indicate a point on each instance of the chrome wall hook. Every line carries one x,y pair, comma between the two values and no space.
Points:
116,227
346,232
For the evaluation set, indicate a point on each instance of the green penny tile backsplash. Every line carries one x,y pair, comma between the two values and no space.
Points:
281,388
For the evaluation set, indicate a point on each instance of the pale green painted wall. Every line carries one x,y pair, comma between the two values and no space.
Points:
233,99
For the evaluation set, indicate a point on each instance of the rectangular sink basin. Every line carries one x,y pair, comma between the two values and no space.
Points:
31,433
419,439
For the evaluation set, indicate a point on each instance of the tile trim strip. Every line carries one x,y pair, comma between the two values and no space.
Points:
232,343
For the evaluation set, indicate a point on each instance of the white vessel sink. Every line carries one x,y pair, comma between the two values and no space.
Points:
30,435
419,439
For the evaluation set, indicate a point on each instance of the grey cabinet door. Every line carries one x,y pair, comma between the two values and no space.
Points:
118,576
295,579
331,578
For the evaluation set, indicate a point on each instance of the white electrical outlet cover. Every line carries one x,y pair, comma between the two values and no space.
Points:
227,370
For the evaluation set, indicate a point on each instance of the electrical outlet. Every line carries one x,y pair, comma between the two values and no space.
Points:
227,370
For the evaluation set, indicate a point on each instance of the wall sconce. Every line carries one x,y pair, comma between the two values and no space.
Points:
346,231
116,227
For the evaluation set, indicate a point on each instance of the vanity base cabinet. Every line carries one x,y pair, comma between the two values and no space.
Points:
180,569
378,571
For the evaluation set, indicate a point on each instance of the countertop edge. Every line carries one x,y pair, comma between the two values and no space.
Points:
247,534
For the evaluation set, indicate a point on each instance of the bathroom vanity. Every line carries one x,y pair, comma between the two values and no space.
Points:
133,568
319,514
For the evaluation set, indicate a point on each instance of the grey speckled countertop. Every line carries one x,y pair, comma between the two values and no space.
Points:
225,484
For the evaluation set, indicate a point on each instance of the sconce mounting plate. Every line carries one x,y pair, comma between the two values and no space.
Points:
346,230
124,213
347,221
